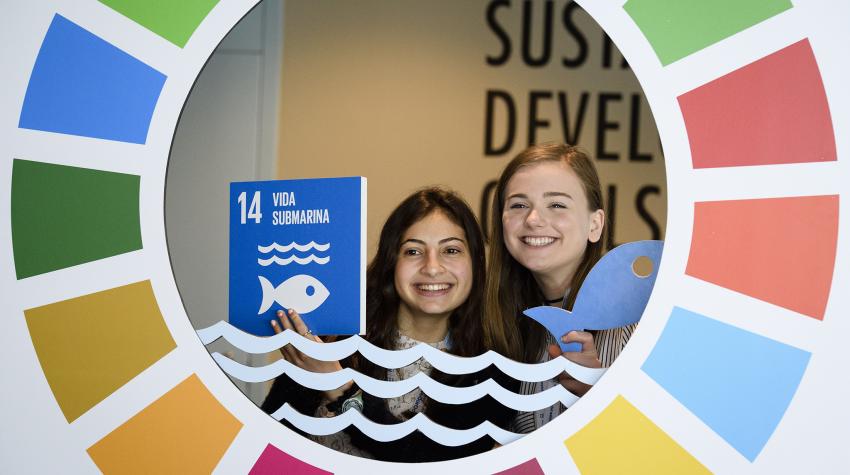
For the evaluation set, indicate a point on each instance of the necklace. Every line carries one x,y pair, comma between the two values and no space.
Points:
561,302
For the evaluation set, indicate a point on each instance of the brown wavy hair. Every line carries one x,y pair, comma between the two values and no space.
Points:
511,288
382,299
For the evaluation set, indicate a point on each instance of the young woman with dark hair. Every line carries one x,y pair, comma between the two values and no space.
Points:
547,222
425,285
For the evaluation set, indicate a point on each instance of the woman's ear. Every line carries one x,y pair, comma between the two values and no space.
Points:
597,222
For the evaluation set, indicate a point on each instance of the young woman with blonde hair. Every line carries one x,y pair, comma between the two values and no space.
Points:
546,234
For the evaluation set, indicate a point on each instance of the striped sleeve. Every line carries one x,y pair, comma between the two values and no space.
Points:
609,343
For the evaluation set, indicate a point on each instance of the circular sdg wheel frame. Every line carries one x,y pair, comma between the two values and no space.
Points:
734,367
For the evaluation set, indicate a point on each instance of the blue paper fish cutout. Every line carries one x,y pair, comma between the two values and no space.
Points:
612,294
302,293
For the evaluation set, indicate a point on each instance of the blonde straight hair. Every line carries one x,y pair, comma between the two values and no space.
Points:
511,288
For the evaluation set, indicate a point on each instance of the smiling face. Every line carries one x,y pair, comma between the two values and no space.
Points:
547,224
433,275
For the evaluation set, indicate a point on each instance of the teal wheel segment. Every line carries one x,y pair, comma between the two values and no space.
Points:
64,216
738,383
83,85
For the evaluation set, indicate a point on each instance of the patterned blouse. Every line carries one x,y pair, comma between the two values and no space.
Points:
399,407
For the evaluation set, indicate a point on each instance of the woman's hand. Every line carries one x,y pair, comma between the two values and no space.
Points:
587,357
294,322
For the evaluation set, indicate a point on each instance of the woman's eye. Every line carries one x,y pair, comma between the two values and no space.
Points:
517,206
453,251
558,205
411,252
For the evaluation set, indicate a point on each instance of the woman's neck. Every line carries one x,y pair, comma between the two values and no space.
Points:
422,327
552,285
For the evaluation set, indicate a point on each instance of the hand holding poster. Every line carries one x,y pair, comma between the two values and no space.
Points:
298,244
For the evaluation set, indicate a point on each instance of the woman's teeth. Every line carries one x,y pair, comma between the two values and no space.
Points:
538,241
432,287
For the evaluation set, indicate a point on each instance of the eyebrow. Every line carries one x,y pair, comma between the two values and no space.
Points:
442,241
547,194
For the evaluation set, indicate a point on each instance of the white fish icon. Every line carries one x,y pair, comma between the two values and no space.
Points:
302,293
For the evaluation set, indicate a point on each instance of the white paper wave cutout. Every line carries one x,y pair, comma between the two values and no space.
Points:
440,360
445,362
294,245
298,260
389,432
392,389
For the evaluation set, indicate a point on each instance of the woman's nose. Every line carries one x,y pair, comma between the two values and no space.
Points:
432,266
533,219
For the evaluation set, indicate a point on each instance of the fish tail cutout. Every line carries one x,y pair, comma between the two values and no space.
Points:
557,322
569,347
268,294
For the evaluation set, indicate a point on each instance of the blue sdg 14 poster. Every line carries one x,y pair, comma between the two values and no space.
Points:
298,244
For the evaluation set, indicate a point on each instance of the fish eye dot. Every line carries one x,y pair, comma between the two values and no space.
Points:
310,290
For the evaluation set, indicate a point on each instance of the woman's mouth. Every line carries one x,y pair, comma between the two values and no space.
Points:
431,289
537,241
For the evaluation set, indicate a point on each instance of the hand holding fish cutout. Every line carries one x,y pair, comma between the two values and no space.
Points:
587,357
612,294
302,293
